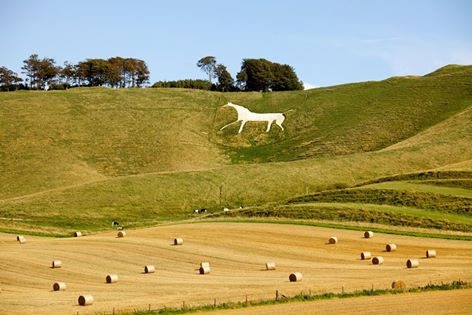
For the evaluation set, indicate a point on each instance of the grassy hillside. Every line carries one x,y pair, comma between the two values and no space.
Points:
411,200
348,118
58,138
80,158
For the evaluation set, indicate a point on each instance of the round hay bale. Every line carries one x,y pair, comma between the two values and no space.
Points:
366,255
333,240
412,263
121,233
270,265
368,234
59,286
77,234
112,278
178,241
149,269
85,299
398,285
204,264
21,239
295,277
430,253
391,247
378,260
204,270
56,264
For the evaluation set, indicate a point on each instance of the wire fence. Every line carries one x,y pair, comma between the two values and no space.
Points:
240,300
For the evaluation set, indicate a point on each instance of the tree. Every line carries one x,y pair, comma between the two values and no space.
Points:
39,71
94,71
142,73
30,69
115,72
184,84
68,73
257,74
208,65
284,78
130,71
264,75
241,78
47,72
225,80
8,79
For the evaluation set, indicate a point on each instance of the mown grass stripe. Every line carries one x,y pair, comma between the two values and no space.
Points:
303,297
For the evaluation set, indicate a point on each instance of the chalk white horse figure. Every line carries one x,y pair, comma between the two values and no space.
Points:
245,115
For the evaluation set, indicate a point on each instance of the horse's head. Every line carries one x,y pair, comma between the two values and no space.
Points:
240,109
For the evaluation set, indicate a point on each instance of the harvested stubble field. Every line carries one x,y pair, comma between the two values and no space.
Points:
445,302
237,253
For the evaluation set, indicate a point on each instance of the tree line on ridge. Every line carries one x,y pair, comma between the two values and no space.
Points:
119,72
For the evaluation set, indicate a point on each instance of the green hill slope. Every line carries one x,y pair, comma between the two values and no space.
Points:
80,158
434,199
348,118
58,138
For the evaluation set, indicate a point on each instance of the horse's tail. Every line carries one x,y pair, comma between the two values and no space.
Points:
287,111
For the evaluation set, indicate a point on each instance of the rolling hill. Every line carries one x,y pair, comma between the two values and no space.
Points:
80,158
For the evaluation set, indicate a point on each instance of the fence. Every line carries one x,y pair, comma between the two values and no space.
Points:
260,299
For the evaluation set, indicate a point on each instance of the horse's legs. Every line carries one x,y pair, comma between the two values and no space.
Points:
229,124
242,126
280,125
269,124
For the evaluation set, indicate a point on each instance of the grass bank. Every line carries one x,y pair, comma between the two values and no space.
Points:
304,297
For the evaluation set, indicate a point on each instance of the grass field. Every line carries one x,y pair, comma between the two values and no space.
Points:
237,253
155,197
78,159
407,200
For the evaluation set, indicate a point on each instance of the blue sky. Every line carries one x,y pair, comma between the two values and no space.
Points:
327,42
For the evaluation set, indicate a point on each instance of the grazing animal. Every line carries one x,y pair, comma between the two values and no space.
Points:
203,210
116,224
245,115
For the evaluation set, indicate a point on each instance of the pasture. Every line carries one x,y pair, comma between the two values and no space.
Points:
148,156
237,253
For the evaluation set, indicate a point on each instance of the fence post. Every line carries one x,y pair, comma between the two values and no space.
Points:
276,295
342,290
246,299
214,302
149,309
113,310
372,288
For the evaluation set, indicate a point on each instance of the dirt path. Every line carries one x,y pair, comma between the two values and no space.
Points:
237,253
